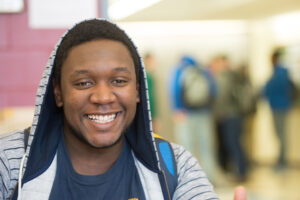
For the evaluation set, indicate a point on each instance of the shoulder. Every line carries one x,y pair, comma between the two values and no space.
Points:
12,147
192,181
12,143
280,69
184,159
179,151
11,152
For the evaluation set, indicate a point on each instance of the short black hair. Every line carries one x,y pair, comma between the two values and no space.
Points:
277,55
90,30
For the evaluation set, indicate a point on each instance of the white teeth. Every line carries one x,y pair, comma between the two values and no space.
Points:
102,118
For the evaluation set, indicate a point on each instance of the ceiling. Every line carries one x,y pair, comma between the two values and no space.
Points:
166,10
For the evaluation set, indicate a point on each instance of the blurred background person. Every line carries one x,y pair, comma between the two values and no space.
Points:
150,65
249,97
193,90
179,112
229,118
279,91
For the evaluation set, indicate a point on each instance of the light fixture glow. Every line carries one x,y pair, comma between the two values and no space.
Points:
123,8
286,27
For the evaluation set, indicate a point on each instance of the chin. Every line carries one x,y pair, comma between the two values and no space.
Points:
106,144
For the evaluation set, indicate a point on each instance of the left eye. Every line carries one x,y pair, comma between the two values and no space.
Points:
119,81
83,84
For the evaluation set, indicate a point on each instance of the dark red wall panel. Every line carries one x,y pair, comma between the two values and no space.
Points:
23,55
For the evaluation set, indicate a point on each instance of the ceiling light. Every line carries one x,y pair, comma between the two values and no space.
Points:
119,9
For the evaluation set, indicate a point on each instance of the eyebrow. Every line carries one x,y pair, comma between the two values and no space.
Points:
83,71
78,72
122,69
118,69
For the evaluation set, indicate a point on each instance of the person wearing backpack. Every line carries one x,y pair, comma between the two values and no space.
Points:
194,90
229,119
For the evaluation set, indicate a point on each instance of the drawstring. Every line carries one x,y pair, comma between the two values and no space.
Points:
166,184
20,177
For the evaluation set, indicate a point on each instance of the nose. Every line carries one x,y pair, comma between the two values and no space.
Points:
102,94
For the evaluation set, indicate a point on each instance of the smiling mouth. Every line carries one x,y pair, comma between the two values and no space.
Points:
102,119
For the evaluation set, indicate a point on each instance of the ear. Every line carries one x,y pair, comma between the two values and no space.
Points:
57,93
138,93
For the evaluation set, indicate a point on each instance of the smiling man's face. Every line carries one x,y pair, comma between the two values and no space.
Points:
98,92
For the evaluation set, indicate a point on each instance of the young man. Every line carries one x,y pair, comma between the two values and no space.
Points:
91,136
279,93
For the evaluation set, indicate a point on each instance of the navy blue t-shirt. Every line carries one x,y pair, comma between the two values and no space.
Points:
121,181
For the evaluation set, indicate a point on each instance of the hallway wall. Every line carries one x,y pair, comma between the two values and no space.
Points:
23,54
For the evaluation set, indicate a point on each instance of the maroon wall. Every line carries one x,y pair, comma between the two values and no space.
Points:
23,55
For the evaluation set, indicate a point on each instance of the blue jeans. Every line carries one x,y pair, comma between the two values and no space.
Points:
231,130
198,136
279,117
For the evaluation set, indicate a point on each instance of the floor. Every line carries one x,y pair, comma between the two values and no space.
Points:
264,183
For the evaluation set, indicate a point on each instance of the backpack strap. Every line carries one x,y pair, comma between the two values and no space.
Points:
168,163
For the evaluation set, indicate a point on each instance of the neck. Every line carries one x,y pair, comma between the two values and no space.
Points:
87,160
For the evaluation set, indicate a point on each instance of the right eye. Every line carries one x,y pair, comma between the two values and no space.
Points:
83,84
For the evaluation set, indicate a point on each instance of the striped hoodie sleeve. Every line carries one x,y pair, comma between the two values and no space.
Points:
4,176
192,181
11,152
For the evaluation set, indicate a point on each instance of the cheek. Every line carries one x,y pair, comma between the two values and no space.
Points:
130,98
73,100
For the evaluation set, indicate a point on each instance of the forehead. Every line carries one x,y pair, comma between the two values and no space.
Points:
96,53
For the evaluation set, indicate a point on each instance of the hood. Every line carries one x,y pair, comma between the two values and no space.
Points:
47,126
188,61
